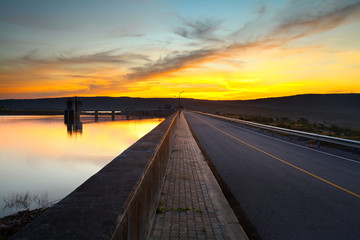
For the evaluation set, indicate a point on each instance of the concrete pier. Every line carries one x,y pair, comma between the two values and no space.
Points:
113,115
72,115
96,115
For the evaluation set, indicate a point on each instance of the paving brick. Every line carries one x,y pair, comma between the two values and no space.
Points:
191,211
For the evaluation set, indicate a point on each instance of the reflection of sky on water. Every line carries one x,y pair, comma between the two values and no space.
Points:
37,154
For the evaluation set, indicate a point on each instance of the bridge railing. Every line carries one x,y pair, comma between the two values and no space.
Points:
318,137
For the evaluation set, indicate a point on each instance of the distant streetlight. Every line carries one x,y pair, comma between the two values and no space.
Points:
179,98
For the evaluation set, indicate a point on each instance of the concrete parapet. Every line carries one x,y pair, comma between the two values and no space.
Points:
118,202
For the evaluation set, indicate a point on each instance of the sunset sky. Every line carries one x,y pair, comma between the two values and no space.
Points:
214,49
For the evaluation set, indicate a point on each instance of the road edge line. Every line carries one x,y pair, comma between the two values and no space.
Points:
239,213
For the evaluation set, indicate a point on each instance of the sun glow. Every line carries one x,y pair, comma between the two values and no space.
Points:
260,54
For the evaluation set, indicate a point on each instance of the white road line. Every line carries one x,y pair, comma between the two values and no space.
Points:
344,158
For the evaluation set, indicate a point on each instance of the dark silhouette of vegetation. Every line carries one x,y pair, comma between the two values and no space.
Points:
25,200
301,124
11,224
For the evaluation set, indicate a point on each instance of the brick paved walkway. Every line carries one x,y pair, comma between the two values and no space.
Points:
192,205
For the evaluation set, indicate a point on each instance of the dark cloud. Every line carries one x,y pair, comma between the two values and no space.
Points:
103,57
126,34
261,9
110,56
107,84
82,76
317,19
298,19
289,27
199,29
171,62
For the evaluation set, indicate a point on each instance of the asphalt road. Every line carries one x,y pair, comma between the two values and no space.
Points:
287,191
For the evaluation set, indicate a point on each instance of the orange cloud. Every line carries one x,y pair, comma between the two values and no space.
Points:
253,67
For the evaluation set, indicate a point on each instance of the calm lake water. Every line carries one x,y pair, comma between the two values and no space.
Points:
38,155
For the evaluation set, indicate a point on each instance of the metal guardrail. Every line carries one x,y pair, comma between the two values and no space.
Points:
319,137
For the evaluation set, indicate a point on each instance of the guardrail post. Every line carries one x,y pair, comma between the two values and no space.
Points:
113,115
290,138
96,115
318,144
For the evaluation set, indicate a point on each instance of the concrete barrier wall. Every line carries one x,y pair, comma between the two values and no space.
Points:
118,202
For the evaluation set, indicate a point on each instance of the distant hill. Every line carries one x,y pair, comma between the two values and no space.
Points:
89,103
338,109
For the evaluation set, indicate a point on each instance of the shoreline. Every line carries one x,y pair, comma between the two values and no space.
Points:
11,112
11,224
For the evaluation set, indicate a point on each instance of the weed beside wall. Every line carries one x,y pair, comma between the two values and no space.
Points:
25,200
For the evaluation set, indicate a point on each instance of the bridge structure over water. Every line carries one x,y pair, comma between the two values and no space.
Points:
162,187
74,111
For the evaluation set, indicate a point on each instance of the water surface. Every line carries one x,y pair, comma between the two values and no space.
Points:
38,154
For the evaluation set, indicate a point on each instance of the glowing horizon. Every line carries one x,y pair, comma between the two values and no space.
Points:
224,50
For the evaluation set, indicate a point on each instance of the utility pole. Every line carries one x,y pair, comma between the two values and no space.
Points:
179,98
